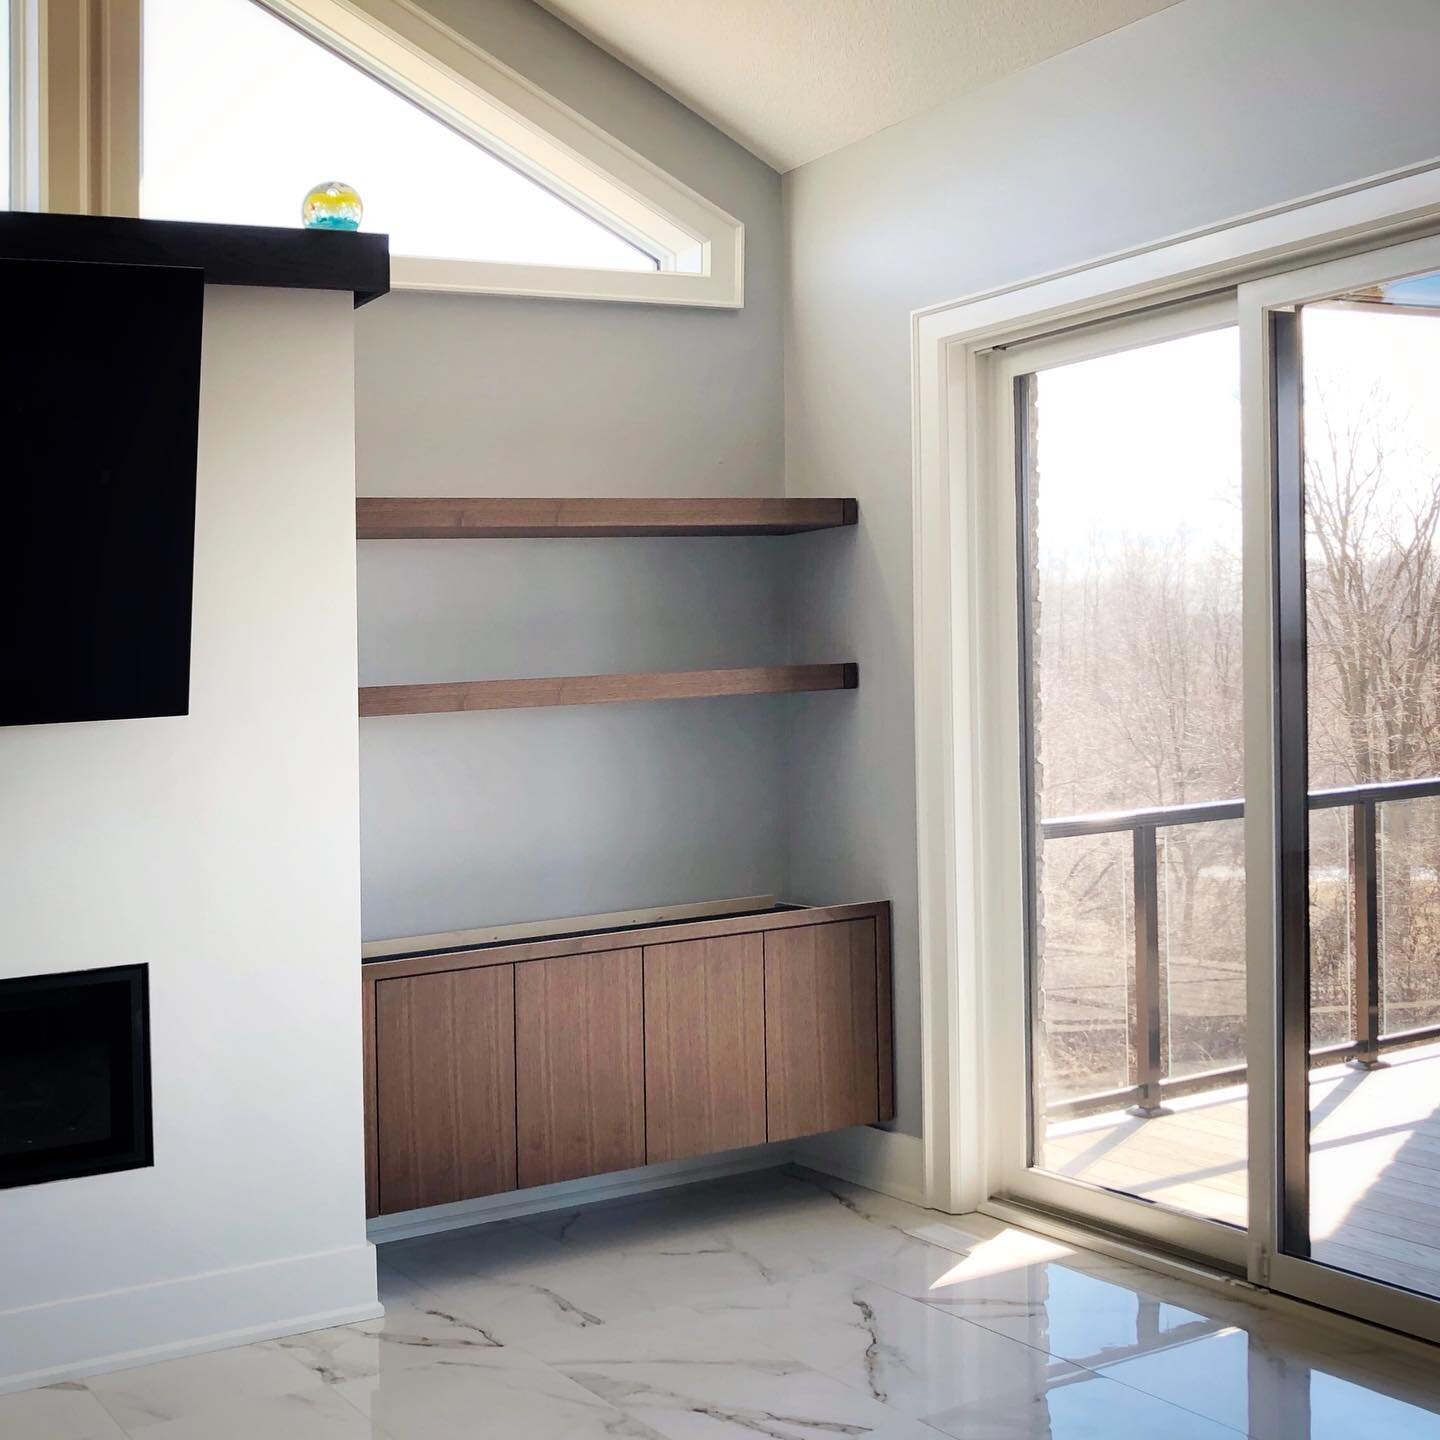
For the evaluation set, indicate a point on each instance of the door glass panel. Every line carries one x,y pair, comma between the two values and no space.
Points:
1129,471
1371,497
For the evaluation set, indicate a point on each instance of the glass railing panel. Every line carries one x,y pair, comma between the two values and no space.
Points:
1202,946
1409,873
1332,950
1082,994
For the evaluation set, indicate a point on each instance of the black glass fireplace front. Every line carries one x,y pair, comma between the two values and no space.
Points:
74,1074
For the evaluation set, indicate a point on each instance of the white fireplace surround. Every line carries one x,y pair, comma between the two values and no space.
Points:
221,848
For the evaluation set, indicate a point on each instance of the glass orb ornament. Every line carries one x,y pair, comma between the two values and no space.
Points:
332,205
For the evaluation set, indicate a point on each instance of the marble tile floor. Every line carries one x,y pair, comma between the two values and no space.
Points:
781,1305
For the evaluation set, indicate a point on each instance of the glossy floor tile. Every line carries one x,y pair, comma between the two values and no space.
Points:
58,1412
781,1305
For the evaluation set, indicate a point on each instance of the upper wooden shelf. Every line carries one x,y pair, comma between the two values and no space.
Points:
439,518
433,699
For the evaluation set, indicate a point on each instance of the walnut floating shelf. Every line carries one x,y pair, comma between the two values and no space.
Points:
435,518
603,689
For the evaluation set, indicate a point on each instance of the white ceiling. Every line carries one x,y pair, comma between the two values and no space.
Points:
792,80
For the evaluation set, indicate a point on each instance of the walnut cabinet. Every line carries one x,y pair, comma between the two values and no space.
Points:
517,1064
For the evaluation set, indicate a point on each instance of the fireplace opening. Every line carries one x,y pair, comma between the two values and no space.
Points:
74,1075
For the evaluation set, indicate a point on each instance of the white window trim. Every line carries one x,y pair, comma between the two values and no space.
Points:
75,106
962,901
701,248
80,142
16,21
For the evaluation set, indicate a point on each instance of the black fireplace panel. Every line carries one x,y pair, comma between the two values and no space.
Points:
74,1074
99,406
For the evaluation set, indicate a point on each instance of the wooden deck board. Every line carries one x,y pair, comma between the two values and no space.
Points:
1375,1163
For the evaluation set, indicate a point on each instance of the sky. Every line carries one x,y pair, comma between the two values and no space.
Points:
243,114
1145,444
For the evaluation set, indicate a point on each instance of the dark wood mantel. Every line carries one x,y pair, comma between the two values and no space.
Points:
274,256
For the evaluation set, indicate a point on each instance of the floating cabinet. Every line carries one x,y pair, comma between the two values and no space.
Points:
704,1046
821,1023
444,1081
494,1066
580,1066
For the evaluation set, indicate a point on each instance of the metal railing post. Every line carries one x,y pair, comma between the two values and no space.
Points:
1145,1038
1364,876
1146,1080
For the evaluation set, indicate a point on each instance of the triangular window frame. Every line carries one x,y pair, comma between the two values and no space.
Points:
700,247
86,157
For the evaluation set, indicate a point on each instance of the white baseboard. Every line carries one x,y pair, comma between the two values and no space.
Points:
517,1203
885,1160
116,1329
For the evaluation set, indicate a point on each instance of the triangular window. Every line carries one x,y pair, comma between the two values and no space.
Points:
243,113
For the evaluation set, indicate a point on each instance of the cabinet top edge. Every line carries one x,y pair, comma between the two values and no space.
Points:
508,952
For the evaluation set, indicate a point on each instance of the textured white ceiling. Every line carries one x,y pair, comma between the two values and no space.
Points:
794,79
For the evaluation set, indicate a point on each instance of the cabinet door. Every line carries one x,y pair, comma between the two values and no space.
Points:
445,1086
821,1035
704,1046
580,1066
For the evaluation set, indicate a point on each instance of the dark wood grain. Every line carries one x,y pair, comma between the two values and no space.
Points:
704,1046
821,1047
602,689
603,1031
372,1131
445,1080
884,1015
541,948
499,518
580,1066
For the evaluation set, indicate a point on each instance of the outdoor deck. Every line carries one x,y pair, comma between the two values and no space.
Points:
1375,1163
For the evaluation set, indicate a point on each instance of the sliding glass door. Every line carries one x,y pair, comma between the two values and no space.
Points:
1348,356
1123,446
1216,583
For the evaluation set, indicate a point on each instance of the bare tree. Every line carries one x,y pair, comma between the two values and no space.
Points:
1373,601
1139,672
1373,606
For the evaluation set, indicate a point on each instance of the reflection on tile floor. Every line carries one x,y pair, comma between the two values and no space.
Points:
779,1305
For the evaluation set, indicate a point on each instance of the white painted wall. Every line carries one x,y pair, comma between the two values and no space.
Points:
221,848
1196,115
474,819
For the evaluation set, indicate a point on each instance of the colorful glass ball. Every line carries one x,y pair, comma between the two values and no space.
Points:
332,205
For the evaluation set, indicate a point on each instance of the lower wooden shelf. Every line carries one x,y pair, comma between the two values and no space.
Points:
603,689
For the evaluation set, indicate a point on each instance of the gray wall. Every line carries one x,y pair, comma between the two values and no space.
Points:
1193,116
525,814
474,819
